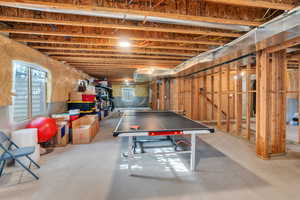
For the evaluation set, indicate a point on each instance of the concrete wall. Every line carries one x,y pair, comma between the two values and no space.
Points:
141,98
62,79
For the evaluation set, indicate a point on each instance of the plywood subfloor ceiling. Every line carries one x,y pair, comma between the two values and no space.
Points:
86,34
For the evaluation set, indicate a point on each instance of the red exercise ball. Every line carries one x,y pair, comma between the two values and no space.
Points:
47,128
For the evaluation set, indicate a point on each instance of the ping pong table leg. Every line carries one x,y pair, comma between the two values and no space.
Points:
130,153
193,152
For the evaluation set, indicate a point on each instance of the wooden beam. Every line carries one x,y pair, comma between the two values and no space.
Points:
115,66
238,100
119,60
248,100
113,37
134,65
114,55
96,43
113,50
93,10
278,110
263,105
195,98
219,97
228,98
193,31
255,3
284,45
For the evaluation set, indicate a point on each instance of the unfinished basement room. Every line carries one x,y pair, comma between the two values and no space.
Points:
149,99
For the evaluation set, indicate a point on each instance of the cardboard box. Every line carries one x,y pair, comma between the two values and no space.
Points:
62,136
84,129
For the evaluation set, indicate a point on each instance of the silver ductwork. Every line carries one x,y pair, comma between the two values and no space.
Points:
126,16
282,28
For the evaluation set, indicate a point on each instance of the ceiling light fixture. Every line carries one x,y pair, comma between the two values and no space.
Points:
124,44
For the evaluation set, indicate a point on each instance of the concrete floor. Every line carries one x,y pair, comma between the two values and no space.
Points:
227,169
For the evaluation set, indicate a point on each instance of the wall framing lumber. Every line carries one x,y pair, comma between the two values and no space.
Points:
248,99
263,105
238,100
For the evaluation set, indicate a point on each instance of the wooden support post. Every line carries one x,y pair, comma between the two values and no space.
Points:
212,87
248,99
238,101
219,108
278,136
228,98
262,105
195,96
205,103
162,94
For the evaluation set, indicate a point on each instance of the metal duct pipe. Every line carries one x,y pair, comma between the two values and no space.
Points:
283,28
128,16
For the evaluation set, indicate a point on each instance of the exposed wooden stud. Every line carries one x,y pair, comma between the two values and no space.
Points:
219,101
248,99
228,98
238,100
280,64
212,87
262,105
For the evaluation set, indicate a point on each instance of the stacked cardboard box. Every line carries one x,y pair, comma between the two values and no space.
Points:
85,129
62,136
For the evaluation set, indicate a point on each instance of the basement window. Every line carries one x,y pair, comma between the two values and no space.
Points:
29,88
127,94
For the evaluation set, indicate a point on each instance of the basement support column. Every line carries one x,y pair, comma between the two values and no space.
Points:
278,102
262,105
212,92
248,99
219,111
228,98
238,101
204,96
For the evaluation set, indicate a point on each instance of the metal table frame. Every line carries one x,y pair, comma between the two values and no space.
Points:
136,133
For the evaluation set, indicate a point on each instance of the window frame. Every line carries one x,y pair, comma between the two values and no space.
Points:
30,67
128,89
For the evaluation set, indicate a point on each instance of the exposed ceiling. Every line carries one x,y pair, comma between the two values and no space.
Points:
86,34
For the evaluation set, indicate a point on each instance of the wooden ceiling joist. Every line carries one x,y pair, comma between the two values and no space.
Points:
136,66
96,43
116,66
119,26
92,10
115,55
119,60
137,51
116,37
255,3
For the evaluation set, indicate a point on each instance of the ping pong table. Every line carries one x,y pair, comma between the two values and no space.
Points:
155,123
